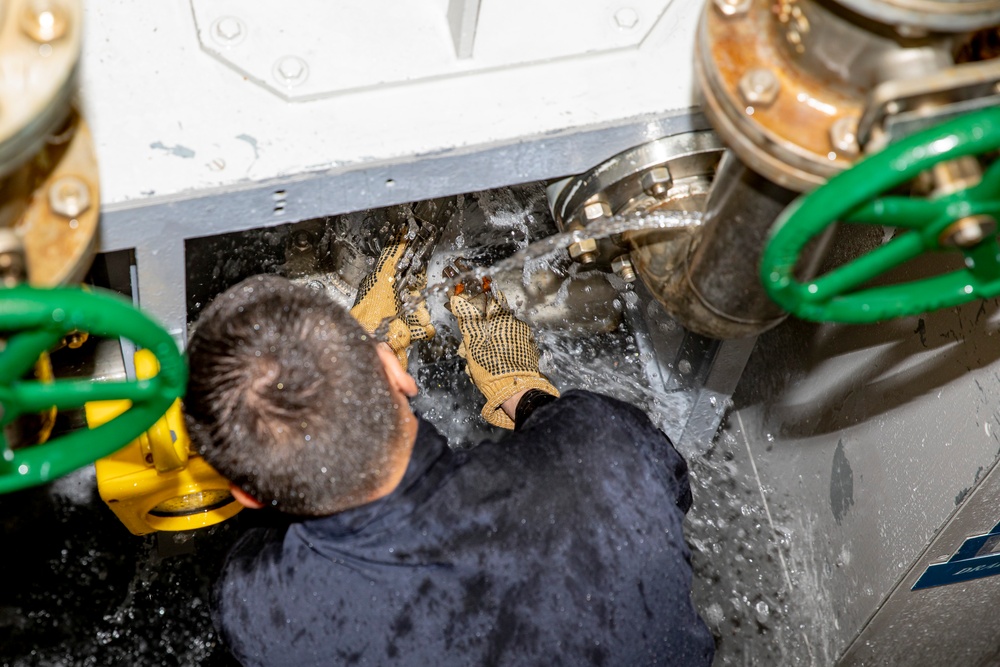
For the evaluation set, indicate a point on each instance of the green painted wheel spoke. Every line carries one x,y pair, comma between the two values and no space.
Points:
902,212
856,196
988,188
37,320
983,262
22,351
947,290
70,394
865,268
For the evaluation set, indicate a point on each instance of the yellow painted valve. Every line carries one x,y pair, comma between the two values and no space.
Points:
155,483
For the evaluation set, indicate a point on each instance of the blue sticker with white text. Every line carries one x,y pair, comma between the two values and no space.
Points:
978,557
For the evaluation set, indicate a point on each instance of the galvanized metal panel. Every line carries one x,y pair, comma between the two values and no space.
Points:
867,440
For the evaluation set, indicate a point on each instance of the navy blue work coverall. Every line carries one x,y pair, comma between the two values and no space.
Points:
559,545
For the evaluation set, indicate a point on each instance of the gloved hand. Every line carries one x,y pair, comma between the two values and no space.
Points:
379,300
499,350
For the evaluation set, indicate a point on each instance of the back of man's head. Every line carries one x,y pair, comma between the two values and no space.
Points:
288,398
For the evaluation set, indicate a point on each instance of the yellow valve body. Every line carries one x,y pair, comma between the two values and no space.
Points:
154,483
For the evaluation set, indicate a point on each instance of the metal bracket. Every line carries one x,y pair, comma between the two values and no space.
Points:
899,108
463,18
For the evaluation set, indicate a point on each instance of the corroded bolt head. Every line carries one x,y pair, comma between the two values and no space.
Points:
44,20
656,181
732,7
584,251
622,265
759,87
69,196
844,136
596,210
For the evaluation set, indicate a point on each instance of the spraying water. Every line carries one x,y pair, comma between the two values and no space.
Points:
546,253
89,593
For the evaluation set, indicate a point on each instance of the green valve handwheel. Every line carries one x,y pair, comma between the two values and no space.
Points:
34,320
964,220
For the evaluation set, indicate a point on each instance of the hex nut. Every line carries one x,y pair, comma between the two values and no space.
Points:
759,87
10,242
626,18
844,136
291,70
968,231
584,251
656,182
622,265
228,30
596,210
732,7
44,20
13,269
69,196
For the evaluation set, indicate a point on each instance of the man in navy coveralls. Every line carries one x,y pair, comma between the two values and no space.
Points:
561,544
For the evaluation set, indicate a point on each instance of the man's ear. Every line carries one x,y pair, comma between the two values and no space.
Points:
244,498
399,379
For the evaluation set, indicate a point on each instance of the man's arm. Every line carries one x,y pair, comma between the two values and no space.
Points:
521,405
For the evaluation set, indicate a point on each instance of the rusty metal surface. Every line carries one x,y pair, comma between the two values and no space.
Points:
60,248
788,140
40,43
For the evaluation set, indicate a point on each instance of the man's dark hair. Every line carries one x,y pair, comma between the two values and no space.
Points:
288,398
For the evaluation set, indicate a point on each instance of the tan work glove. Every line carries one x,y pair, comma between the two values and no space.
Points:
500,352
378,301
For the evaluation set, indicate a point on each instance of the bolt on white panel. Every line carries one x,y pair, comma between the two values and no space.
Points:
171,119
309,49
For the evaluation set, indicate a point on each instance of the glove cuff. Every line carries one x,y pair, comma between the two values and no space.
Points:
500,388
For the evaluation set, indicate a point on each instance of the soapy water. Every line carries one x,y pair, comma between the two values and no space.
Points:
89,593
